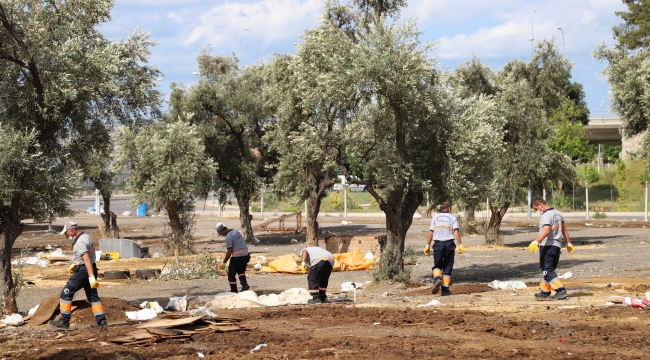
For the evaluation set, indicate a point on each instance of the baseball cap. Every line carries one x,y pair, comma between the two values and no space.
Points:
220,228
68,226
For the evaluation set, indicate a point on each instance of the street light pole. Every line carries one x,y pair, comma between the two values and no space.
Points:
241,44
532,36
563,50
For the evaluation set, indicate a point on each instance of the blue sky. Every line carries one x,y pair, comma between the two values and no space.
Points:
496,31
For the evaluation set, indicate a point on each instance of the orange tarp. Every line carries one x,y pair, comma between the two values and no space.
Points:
342,262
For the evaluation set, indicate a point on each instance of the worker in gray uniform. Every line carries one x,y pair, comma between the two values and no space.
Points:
84,276
320,263
238,255
443,230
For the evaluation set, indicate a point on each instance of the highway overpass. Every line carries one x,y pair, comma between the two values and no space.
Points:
606,130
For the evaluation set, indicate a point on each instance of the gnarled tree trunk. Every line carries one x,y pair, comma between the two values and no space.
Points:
10,229
492,233
245,218
110,219
313,208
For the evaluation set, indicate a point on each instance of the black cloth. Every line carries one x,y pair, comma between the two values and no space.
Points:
443,256
319,276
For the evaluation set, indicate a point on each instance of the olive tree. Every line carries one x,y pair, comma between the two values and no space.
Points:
169,168
314,95
231,114
61,81
397,136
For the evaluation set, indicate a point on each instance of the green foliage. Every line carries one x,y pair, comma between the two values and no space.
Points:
270,200
169,167
609,152
627,72
19,279
231,115
644,177
589,174
600,215
255,208
334,202
634,33
570,139
388,271
203,266
64,86
621,176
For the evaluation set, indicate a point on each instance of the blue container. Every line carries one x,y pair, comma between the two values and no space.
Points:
142,209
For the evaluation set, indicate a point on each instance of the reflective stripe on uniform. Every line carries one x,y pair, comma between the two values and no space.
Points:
556,283
446,280
545,286
98,308
65,306
240,251
437,273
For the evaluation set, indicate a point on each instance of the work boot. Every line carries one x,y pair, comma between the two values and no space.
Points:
560,294
314,302
103,323
445,292
543,295
59,324
437,283
245,287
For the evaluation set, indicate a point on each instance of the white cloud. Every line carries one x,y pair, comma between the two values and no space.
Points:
502,27
269,21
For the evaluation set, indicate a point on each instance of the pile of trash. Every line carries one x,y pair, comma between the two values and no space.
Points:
249,299
175,326
507,285
350,261
636,303
43,259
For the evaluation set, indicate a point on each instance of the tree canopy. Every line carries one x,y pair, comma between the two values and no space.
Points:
634,33
63,86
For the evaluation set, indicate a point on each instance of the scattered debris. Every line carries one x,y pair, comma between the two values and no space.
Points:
433,302
175,326
566,275
258,348
144,314
507,285
178,303
13,320
350,286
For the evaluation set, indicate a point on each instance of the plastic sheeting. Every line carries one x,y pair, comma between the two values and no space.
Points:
248,299
349,261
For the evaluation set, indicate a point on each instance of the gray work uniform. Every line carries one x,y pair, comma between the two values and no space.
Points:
83,245
554,219
443,226
316,254
235,240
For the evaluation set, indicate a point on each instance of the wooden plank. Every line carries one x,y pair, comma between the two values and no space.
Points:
262,226
167,323
162,331
225,328
123,339
144,336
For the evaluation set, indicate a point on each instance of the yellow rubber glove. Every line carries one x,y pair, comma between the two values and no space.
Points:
534,246
427,250
570,248
93,282
71,269
222,265
460,249
303,267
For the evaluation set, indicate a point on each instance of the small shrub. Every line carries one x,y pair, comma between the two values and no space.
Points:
205,266
600,215
290,208
270,201
256,208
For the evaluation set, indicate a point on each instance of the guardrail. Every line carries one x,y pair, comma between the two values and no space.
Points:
604,119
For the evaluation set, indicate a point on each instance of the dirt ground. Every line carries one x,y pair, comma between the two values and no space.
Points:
385,323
